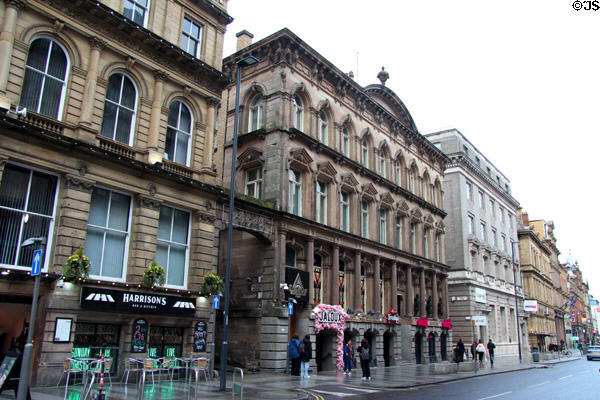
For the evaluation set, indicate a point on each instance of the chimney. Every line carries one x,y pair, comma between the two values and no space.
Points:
244,39
525,219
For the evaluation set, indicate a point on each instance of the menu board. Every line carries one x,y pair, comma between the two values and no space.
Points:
6,366
139,336
200,337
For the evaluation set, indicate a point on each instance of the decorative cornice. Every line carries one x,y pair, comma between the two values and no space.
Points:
78,183
18,4
148,202
97,43
205,217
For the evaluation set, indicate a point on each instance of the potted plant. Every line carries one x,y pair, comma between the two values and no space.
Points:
77,267
154,275
213,284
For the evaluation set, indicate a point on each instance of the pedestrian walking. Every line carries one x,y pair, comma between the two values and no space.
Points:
480,349
473,346
460,351
491,346
294,351
364,352
348,357
305,351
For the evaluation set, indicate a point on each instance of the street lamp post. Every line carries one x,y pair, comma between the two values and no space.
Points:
512,249
23,389
244,62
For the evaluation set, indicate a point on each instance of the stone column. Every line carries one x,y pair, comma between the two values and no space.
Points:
445,295
7,39
434,295
394,287
334,286
89,91
280,267
422,293
154,154
207,159
376,282
410,292
357,265
310,267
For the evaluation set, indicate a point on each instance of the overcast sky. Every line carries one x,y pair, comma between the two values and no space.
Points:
520,79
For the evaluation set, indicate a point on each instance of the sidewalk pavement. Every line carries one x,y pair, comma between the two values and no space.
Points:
278,386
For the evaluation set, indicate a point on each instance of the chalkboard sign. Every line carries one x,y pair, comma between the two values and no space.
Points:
139,336
200,337
6,366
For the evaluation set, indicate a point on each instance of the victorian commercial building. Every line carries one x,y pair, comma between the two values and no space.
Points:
481,229
355,193
113,155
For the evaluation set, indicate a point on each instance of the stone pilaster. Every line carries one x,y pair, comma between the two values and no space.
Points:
357,264
376,289
394,287
410,292
154,154
334,286
435,297
310,267
7,39
422,293
75,200
203,249
207,159
143,240
89,91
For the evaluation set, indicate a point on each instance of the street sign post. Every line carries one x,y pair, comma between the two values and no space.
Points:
36,263
290,308
215,302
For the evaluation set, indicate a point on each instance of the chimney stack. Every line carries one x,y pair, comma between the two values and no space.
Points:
525,219
244,39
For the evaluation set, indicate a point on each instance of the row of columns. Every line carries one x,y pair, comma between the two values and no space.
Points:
332,287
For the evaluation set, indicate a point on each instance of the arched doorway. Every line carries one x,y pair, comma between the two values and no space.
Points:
431,347
419,347
388,348
443,346
326,350
371,337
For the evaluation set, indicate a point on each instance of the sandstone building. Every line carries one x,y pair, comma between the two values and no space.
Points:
357,214
113,155
481,230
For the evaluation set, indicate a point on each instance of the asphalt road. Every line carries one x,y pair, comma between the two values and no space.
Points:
576,380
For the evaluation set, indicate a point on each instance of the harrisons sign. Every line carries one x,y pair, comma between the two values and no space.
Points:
119,300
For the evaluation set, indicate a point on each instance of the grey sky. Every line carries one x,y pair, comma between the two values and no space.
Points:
520,79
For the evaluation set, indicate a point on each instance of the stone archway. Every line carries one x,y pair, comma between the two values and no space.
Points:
332,318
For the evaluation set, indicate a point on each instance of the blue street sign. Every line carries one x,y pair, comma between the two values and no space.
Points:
36,263
216,300
290,308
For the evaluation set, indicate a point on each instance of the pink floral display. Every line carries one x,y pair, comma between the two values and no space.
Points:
332,317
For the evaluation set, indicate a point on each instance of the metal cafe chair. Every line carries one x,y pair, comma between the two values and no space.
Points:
96,368
131,365
175,365
149,367
74,367
198,365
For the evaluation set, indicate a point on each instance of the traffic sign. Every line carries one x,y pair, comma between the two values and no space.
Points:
290,308
215,302
36,263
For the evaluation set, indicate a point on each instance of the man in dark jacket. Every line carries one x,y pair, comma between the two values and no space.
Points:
473,346
305,356
294,350
491,346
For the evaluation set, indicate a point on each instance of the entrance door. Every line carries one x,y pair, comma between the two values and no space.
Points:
443,344
371,337
326,350
388,348
418,348
431,347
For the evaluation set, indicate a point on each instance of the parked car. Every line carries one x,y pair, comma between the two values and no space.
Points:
593,352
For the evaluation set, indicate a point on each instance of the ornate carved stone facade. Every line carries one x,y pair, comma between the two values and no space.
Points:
356,196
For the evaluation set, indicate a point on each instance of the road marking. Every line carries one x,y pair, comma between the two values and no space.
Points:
496,395
337,394
565,377
359,389
539,384
377,388
316,396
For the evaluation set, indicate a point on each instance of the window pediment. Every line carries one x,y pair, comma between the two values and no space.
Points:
416,214
250,157
326,169
387,200
369,189
300,158
403,208
429,220
349,180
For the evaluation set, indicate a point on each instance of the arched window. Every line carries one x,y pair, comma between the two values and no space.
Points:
179,132
298,113
323,127
46,72
364,145
411,180
345,141
119,109
295,193
256,114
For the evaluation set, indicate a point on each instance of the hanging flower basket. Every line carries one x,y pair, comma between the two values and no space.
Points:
213,284
77,267
154,275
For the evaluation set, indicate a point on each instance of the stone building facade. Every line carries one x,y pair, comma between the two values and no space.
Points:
544,280
357,196
113,155
481,227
